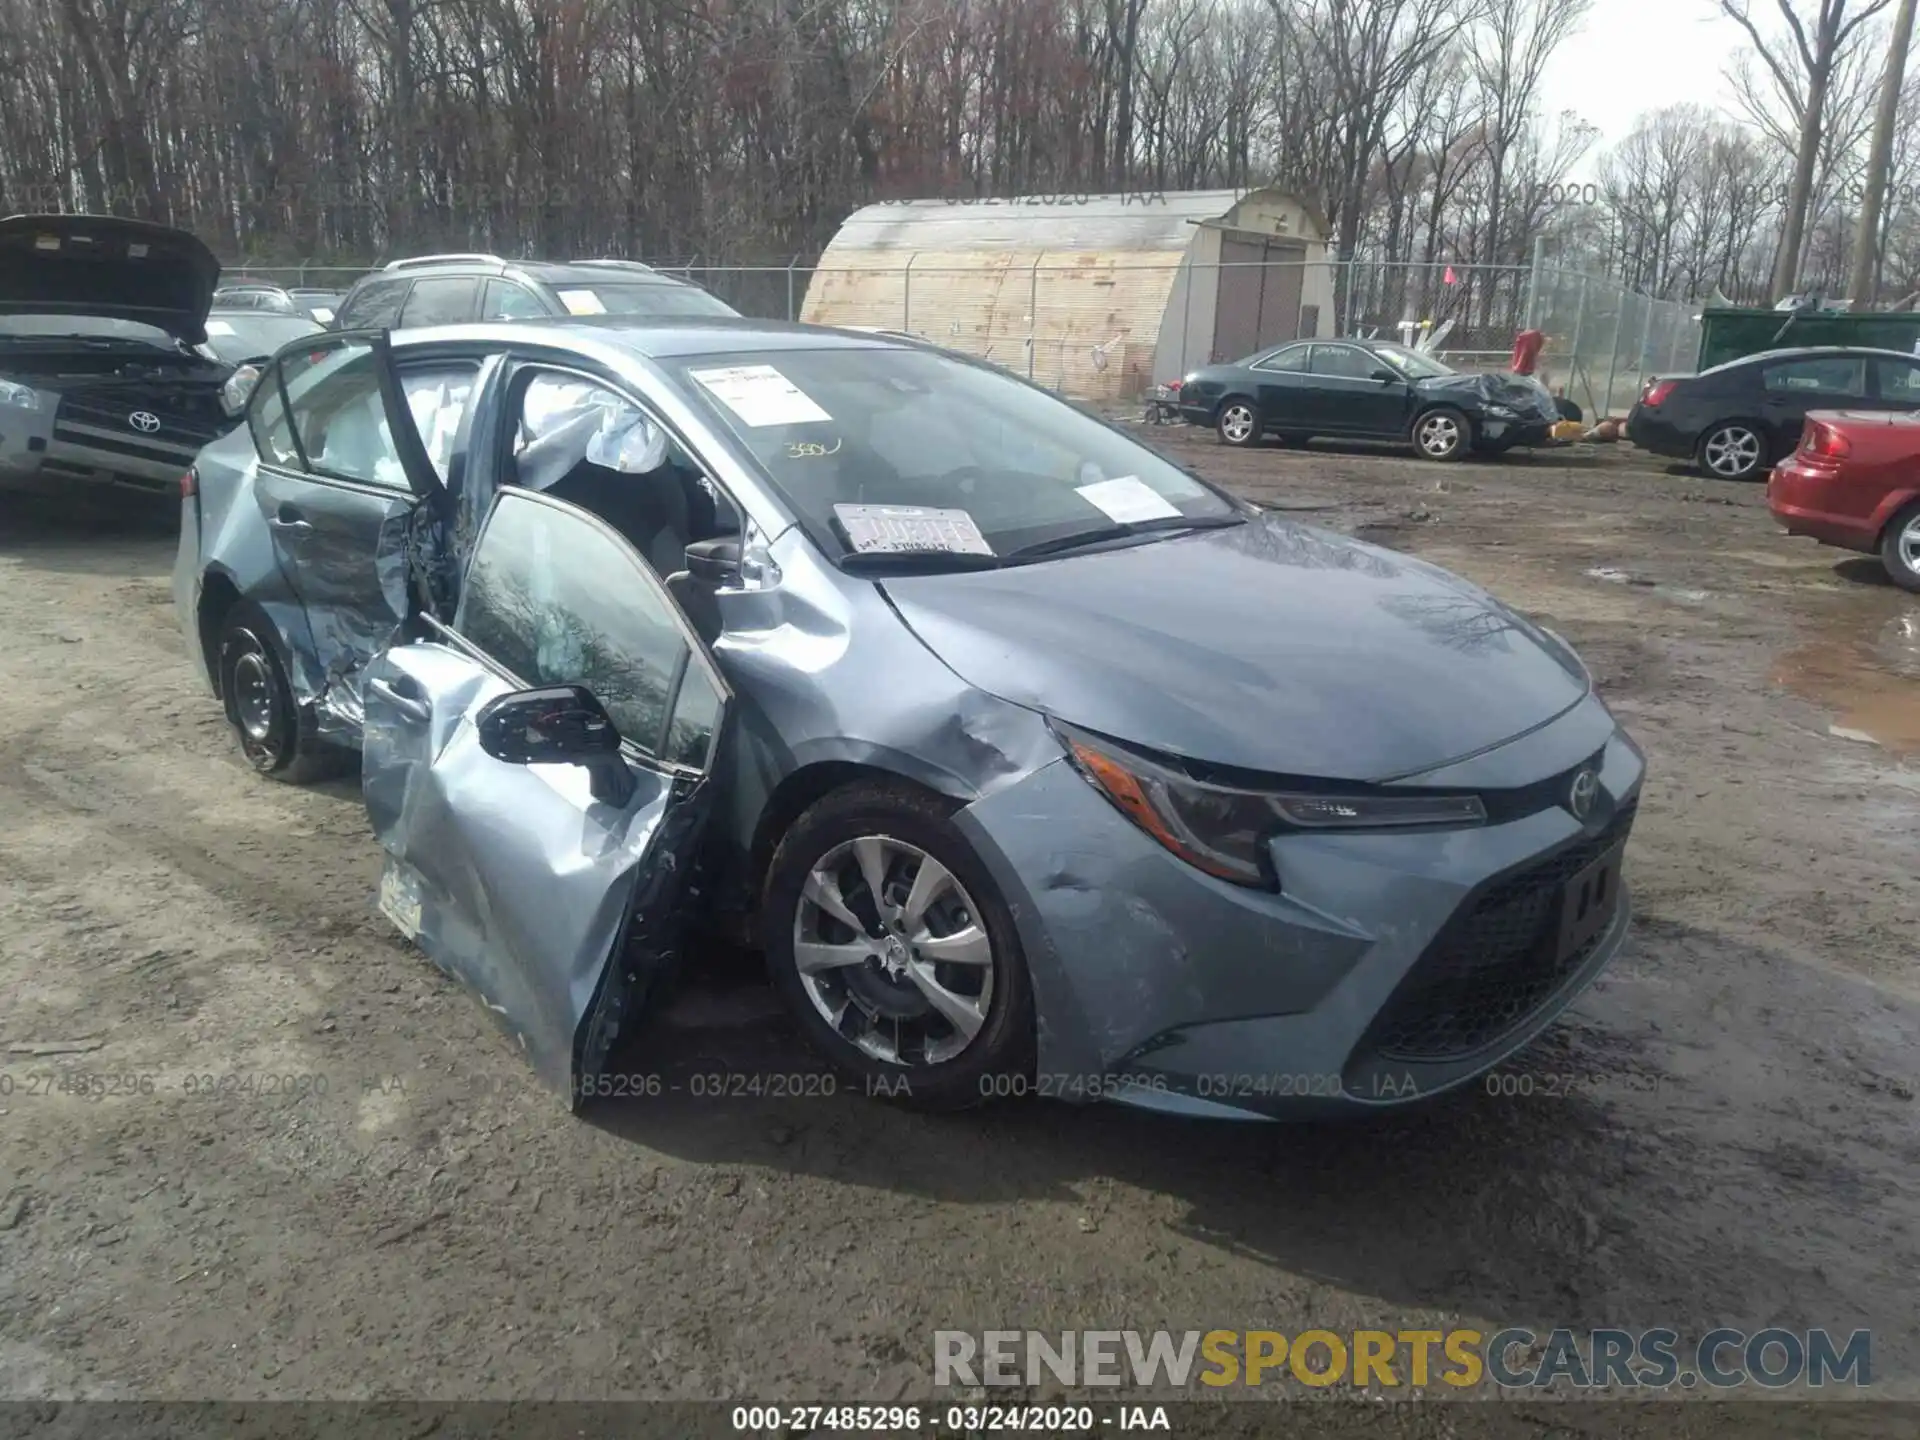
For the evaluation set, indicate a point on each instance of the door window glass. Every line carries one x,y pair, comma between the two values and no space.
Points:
1343,361
1293,360
375,307
339,415
508,301
1826,375
440,302
1899,382
558,600
267,418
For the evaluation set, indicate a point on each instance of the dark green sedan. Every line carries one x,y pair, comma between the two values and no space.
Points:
1366,390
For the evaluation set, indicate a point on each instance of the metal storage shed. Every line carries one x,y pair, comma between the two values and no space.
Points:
1098,296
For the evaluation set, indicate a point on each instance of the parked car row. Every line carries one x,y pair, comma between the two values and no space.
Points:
122,353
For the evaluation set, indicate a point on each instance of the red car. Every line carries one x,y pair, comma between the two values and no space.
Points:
1854,482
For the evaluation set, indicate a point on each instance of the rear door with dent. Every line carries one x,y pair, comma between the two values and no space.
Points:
349,447
561,910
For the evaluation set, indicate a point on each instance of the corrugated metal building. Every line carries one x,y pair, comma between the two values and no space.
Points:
1099,296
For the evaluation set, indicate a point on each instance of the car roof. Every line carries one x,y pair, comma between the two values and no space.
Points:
665,337
1810,352
546,272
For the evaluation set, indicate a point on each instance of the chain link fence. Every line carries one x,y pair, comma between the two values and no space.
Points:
1111,326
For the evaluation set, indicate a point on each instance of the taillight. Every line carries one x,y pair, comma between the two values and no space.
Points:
1173,385
1659,391
190,484
1825,442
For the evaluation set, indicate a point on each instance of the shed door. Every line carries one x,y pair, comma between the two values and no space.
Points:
1259,297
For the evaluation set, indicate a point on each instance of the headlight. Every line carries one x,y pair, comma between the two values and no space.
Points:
238,388
1223,830
1502,412
21,397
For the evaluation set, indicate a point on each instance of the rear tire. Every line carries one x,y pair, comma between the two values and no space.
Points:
1732,450
1238,422
1900,548
259,704
872,1018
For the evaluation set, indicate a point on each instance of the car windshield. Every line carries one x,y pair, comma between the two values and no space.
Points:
92,327
859,426
1412,362
270,301
638,298
248,335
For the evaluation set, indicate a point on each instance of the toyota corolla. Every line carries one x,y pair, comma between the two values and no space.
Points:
1028,757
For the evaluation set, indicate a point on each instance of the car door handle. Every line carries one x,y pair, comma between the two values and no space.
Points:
290,519
413,707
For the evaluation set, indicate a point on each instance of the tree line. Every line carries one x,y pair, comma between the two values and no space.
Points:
744,131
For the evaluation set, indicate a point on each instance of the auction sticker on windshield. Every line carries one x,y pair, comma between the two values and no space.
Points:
760,395
219,327
1127,498
582,302
903,529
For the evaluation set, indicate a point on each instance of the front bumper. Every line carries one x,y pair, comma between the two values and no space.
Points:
1161,987
1528,431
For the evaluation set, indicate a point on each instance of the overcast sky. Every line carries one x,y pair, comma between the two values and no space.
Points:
1633,56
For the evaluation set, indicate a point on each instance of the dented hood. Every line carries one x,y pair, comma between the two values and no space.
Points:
107,266
1268,646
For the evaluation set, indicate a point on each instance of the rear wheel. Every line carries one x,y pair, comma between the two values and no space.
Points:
893,950
1733,450
259,704
1900,548
1238,422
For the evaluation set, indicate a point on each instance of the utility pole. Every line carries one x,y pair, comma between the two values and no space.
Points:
1866,244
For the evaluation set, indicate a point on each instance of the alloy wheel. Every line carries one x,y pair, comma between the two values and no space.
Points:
892,953
1731,451
1439,436
1237,423
1909,543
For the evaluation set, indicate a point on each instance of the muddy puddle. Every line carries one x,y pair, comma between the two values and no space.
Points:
1871,686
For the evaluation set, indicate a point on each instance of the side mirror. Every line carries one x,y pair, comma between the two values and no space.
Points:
239,389
1384,375
557,725
714,562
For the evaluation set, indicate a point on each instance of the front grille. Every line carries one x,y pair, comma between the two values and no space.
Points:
1493,965
103,422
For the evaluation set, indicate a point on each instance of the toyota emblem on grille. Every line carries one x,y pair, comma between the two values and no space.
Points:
1585,786
145,421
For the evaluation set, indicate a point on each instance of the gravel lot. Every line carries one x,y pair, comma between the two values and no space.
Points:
1741,1148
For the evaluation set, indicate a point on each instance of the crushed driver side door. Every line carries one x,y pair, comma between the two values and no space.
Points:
559,905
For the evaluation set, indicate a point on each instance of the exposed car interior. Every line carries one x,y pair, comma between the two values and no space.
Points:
586,444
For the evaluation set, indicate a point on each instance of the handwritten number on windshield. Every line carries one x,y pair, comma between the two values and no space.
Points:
810,449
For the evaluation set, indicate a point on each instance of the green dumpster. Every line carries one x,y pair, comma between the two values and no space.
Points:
1731,333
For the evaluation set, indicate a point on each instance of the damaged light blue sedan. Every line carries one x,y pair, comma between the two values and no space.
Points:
1031,761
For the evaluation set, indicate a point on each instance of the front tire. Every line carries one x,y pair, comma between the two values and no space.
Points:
1900,548
1732,450
1238,422
259,704
1442,434
894,952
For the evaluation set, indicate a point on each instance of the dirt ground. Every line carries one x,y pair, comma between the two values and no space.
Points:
424,1222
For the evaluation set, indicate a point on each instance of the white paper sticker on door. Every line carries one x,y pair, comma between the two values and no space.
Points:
761,395
582,302
1127,498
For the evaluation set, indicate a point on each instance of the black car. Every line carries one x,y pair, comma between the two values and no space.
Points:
242,336
450,289
1737,420
102,374
1367,390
